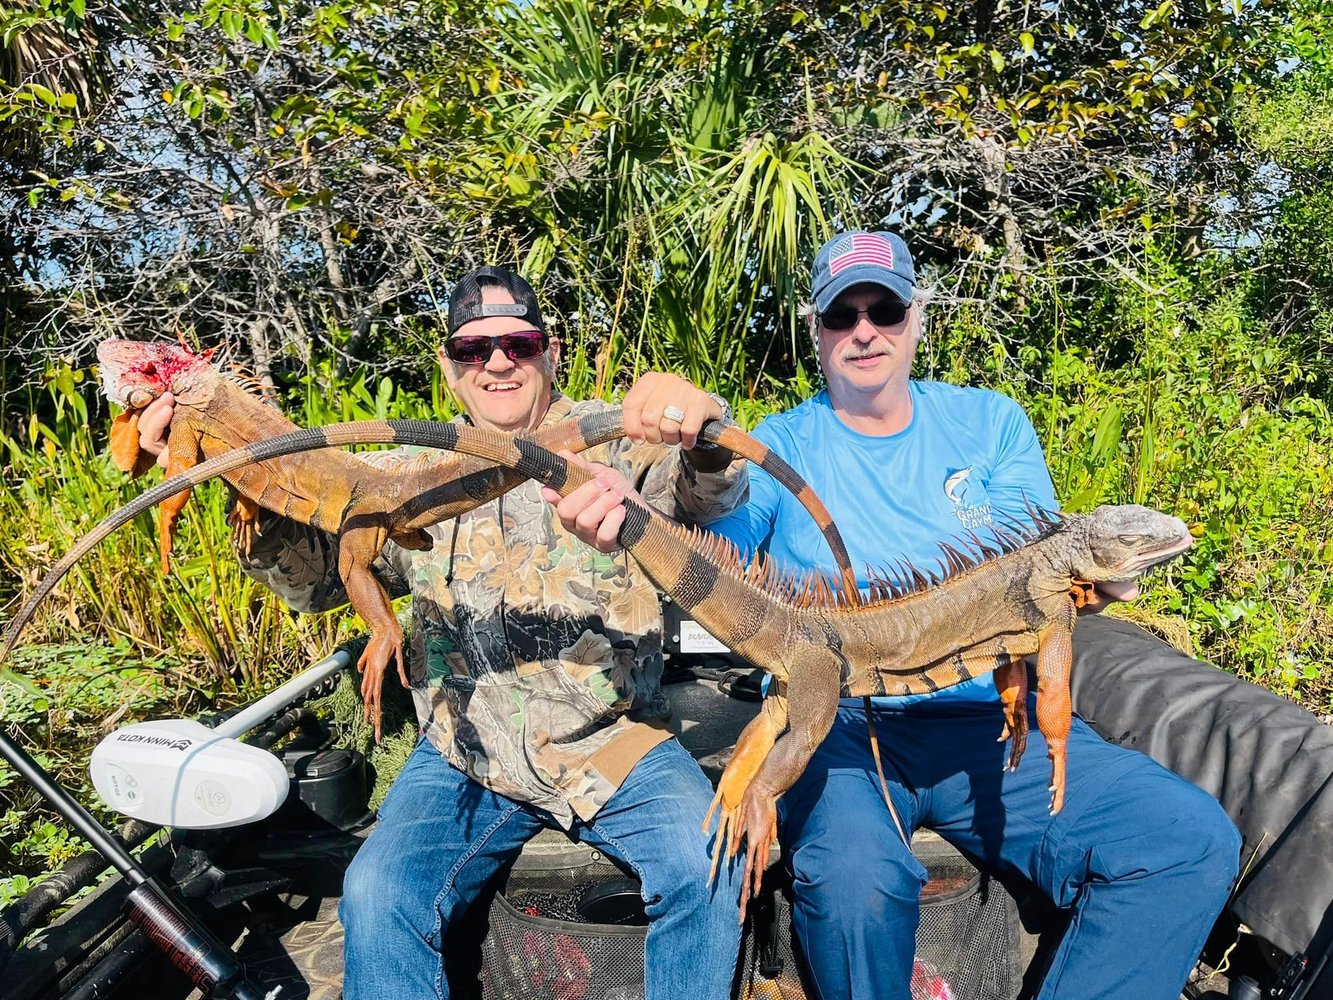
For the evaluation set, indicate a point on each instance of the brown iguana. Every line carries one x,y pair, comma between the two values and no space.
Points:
333,490
994,606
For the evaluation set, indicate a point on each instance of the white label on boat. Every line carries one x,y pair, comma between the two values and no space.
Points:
694,639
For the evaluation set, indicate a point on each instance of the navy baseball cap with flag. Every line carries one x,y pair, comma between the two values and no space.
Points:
859,258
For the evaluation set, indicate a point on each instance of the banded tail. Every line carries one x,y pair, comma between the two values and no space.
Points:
532,461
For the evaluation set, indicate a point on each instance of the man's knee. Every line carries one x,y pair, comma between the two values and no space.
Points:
365,885
859,880
379,893
1188,837
681,882
1206,841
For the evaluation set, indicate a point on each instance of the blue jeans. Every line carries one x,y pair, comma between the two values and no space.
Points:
1142,858
442,837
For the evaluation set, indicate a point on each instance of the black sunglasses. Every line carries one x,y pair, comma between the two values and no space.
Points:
885,312
477,350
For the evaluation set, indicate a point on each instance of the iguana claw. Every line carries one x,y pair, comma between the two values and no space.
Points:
760,825
1018,733
743,811
755,820
1012,681
243,533
727,820
1057,789
244,521
750,752
374,664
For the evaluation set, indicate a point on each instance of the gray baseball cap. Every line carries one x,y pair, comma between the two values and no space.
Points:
860,257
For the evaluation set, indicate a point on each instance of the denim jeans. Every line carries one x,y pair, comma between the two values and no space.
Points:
441,837
1142,858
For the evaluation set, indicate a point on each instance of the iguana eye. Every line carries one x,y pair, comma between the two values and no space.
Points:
1129,540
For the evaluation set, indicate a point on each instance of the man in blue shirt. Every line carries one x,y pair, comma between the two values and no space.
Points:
1143,859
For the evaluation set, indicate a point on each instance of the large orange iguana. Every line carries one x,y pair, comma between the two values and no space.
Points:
336,491
993,606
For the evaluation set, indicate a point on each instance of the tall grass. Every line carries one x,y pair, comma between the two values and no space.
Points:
1190,407
117,641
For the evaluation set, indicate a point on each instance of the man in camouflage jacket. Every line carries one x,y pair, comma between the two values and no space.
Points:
536,664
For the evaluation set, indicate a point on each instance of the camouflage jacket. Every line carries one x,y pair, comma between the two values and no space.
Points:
535,660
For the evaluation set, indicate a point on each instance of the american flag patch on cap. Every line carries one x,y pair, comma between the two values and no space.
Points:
860,248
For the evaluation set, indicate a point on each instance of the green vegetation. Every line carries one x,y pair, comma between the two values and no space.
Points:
1124,213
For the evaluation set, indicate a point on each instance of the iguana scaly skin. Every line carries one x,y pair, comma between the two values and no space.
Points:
332,490
994,606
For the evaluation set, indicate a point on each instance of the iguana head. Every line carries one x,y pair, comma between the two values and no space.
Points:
134,372
1123,542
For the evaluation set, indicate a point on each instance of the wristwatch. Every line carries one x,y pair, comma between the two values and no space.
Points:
701,444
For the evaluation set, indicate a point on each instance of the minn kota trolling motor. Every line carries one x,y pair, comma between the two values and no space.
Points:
180,773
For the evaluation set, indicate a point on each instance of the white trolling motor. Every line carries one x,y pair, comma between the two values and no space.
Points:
180,773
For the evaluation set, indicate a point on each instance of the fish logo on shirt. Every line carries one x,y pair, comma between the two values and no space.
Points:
971,503
955,486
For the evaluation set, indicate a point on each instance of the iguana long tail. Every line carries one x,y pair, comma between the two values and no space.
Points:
596,428
530,460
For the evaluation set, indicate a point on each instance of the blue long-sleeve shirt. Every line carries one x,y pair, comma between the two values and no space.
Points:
969,460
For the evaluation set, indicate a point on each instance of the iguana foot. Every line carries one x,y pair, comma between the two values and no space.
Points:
374,664
754,820
751,751
244,521
1082,592
1012,681
727,836
243,534
760,826
1057,755
1015,729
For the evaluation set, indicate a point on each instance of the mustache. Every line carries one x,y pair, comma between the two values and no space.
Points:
887,351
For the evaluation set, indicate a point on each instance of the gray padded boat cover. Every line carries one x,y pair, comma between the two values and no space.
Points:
1268,761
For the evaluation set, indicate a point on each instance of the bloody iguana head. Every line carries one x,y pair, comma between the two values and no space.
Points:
1118,543
135,372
